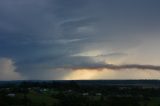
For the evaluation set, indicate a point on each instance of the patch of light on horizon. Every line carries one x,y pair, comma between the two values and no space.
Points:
89,74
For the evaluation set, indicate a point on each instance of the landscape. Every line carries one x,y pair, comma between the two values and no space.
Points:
80,93
79,53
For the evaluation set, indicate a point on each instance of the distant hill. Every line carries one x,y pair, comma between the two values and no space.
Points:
93,82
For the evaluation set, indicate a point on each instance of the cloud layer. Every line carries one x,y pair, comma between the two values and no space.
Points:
43,35
121,67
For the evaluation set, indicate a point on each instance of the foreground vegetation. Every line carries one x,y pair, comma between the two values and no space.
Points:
72,94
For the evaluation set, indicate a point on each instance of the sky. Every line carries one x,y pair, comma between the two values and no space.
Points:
79,39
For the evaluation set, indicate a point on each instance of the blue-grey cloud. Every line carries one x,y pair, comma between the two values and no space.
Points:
40,35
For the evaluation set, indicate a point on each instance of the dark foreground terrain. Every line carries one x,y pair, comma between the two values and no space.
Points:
80,93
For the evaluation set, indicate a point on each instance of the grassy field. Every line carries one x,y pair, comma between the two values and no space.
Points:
154,102
46,100
39,99
49,98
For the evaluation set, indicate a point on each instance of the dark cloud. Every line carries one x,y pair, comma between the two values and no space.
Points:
121,67
40,35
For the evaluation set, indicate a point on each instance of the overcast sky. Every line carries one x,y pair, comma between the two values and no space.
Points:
79,39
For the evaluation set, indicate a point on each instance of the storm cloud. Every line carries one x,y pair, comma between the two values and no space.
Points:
121,67
40,36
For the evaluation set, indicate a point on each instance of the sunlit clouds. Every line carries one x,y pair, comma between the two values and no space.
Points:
85,74
8,70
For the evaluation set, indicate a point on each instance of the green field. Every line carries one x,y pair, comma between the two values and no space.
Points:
36,99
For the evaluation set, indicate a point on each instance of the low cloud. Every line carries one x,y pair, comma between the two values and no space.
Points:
66,41
8,70
120,67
